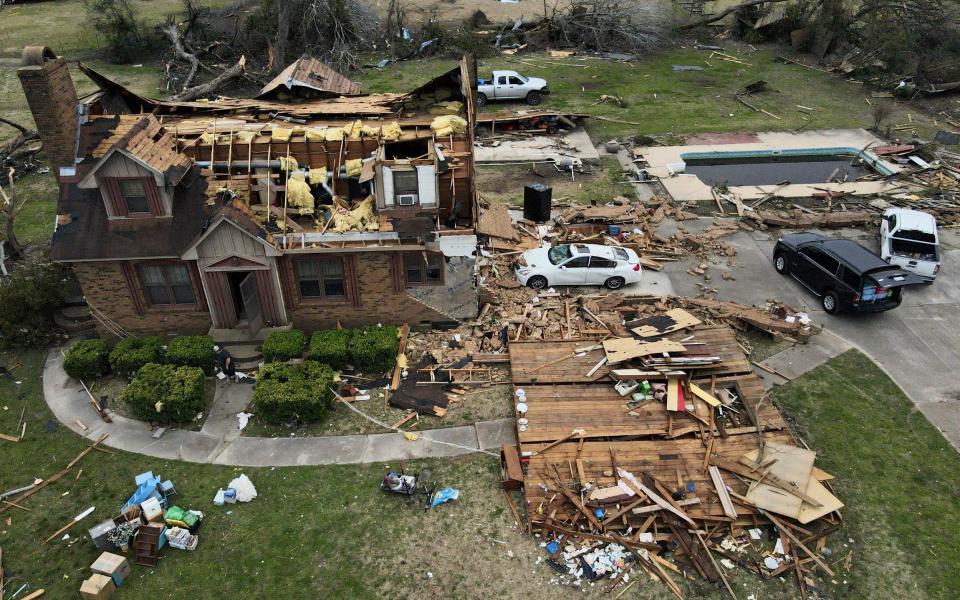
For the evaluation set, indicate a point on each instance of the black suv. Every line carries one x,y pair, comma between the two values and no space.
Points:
843,273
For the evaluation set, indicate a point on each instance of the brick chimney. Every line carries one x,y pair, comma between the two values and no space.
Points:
53,101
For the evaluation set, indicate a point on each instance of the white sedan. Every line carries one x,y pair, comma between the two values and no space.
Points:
578,264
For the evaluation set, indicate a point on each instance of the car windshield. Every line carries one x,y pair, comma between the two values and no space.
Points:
558,254
621,254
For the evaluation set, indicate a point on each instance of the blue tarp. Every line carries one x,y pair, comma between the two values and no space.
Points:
147,489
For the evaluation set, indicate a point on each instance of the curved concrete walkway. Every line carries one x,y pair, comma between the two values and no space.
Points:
219,442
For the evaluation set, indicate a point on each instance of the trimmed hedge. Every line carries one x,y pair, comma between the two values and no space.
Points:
286,392
331,347
374,349
192,351
87,359
166,393
283,345
132,353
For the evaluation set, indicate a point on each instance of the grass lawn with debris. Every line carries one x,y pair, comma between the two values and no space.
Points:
328,531
479,404
600,183
665,102
897,475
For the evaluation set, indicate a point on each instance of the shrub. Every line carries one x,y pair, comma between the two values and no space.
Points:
286,392
374,349
283,345
87,359
131,353
29,298
120,23
330,347
166,393
192,351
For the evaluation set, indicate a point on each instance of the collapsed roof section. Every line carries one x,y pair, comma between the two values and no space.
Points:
308,77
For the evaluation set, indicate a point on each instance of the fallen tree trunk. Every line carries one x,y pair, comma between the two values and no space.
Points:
205,89
723,13
173,32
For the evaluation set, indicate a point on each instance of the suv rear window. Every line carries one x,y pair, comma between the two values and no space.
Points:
850,278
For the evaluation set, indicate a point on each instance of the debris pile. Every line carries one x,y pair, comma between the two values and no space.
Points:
656,453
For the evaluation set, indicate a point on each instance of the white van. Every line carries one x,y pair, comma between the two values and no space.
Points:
908,239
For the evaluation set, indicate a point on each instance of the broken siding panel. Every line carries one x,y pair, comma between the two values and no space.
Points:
288,282
387,186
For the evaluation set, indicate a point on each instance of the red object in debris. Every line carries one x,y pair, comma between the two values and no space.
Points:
896,149
681,405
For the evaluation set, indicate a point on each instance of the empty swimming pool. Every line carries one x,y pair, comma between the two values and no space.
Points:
772,169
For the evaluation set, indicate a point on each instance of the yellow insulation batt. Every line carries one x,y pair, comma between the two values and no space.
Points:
354,167
288,163
354,130
448,125
281,134
298,194
391,132
452,107
360,218
245,137
369,131
318,176
334,134
316,134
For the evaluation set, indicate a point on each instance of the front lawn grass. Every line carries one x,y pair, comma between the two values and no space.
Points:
329,532
897,475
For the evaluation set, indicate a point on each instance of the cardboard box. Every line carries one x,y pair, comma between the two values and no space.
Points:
98,533
152,511
98,587
112,565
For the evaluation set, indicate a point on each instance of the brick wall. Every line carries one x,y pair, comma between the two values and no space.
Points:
105,288
379,303
53,102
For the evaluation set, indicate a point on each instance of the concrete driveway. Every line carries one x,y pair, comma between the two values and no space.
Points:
917,344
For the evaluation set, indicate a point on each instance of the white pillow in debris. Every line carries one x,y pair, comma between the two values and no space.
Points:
244,488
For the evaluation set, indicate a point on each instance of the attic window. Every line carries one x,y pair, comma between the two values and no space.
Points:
134,195
405,150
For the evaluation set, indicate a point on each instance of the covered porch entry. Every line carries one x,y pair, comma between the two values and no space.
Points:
240,279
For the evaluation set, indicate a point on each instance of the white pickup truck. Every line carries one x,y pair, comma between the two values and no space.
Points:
510,85
908,239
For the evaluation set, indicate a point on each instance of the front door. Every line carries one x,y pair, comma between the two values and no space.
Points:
251,302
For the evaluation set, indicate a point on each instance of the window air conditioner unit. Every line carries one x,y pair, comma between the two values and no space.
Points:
407,199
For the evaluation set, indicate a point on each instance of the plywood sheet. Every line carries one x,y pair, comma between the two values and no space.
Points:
621,349
672,320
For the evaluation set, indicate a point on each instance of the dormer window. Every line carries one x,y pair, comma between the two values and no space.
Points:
134,195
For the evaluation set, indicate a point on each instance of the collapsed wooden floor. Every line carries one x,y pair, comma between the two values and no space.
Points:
602,467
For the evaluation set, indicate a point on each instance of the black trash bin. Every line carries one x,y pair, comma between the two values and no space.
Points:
537,199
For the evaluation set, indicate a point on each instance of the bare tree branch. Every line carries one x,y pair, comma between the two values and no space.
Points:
10,210
205,89
17,126
723,13
173,32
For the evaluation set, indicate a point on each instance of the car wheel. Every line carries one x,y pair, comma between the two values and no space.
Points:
780,264
614,283
831,302
537,282
553,129
533,98
481,100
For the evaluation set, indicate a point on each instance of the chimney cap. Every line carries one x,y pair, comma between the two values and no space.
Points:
37,55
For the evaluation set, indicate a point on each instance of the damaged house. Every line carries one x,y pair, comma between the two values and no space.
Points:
247,214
